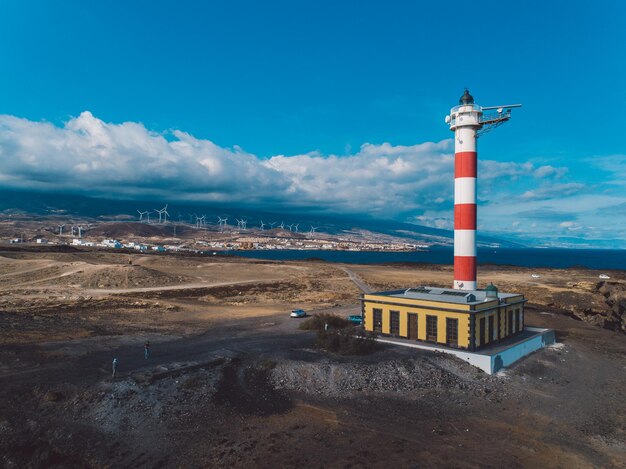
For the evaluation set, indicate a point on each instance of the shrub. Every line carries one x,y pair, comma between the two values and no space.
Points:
346,341
266,365
317,322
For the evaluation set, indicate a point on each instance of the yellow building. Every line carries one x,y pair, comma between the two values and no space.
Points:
455,318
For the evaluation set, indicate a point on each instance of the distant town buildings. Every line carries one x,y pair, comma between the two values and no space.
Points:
242,243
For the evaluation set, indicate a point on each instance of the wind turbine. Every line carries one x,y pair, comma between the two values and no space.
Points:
161,212
61,230
296,226
141,214
262,226
313,228
222,222
289,227
282,225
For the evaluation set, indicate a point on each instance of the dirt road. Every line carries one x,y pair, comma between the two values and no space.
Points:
358,281
186,286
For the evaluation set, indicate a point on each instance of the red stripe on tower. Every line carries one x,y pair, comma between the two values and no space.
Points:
464,269
465,164
465,217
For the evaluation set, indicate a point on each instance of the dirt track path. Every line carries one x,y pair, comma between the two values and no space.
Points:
358,281
186,286
68,271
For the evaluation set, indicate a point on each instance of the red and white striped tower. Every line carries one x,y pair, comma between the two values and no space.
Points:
467,122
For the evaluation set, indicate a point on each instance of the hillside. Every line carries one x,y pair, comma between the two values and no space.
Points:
64,208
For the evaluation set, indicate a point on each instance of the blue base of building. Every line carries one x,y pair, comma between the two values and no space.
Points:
491,359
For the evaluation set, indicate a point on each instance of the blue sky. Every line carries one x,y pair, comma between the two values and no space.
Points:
276,100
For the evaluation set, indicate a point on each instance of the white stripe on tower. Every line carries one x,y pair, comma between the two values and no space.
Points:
465,162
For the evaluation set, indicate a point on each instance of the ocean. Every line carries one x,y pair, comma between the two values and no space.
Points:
601,259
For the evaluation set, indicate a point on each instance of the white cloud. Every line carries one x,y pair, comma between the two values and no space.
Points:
613,165
570,226
91,156
378,179
94,157
552,191
549,171
413,182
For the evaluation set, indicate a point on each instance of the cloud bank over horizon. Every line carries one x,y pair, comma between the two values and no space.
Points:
408,183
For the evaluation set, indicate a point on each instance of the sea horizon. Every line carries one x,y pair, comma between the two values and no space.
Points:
558,258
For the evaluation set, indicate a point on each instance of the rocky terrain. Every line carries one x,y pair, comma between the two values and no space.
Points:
426,372
233,382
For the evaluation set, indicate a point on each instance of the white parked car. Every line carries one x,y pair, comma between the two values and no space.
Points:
604,276
298,313
536,276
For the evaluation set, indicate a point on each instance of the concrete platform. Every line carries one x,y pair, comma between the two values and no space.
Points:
491,358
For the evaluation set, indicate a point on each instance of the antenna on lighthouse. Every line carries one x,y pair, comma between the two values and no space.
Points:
491,120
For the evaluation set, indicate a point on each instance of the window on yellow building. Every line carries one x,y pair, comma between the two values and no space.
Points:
395,322
431,328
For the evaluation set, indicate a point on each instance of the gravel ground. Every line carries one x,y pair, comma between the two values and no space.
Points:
409,376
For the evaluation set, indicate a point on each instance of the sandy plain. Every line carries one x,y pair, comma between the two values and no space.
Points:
232,382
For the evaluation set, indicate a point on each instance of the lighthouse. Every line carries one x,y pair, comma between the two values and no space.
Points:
465,318
468,121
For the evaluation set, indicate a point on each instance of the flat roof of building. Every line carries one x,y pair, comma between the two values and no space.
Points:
444,295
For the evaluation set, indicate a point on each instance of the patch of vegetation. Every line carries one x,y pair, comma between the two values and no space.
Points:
192,383
318,322
53,396
347,341
265,365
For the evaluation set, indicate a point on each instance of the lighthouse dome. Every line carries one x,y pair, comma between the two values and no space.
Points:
466,98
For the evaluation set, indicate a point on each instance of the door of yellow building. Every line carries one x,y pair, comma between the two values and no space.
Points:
431,328
412,326
481,332
452,332
510,323
378,320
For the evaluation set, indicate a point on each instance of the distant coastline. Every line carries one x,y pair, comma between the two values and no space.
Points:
607,259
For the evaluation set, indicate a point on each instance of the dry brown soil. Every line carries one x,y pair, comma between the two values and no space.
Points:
232,382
